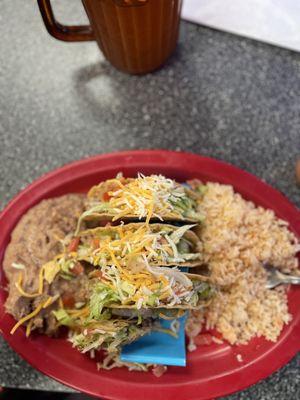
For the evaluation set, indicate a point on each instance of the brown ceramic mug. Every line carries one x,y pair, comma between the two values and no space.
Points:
136,36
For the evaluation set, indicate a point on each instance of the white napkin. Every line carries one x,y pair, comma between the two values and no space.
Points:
272,21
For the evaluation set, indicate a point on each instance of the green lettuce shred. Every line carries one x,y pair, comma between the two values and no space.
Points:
101,296
63,317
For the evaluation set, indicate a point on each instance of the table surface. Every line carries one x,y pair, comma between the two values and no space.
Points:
219,95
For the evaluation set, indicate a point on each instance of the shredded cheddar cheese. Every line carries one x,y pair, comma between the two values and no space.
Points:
22,292
77,313
60,303
35,312
28,328
48,272
144,197
48,302
26,318
41,280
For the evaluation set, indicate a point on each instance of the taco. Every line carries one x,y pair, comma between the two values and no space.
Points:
161,245
137,286
108,333
150,198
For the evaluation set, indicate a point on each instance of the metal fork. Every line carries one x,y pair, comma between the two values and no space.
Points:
275,278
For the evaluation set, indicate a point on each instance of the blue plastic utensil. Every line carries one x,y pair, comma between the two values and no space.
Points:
158,347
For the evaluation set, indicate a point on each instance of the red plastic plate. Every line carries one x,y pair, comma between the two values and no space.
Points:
212,370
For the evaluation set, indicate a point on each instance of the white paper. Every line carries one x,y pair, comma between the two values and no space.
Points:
273,21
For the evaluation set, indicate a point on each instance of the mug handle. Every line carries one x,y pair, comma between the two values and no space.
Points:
62,32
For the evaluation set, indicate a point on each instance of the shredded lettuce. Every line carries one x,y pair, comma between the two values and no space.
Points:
152,300
202,189
110,340
66,266
86,343
128,288
179,232
100,207
66,277
51,269
186,206
204,290
101,296
183,246
140,319
63,317
195,215
183,204
190,256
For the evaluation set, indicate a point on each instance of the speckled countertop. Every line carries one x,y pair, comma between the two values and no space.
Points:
219,95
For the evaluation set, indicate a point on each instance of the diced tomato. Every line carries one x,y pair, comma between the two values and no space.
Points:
194,183
89,330
68,300
216,334
77,269
162,240
102,223
204,339
97,274
96,243
105,223
159,370
106,196
73,246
